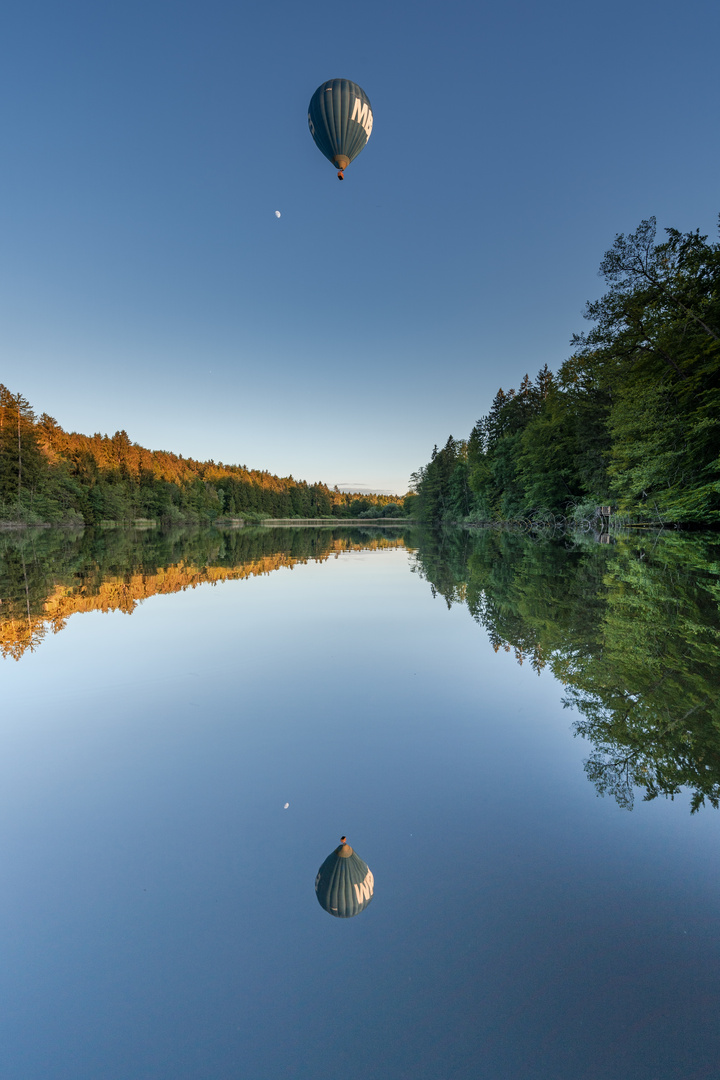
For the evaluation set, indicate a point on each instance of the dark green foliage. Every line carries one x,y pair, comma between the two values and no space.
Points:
22,472
632,418
443,485
658,332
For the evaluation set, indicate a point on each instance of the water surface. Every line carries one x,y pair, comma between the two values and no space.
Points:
163,697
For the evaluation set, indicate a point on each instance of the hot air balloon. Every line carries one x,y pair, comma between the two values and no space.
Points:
344,884
340,120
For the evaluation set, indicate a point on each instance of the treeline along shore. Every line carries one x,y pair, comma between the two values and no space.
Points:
51,476
630,422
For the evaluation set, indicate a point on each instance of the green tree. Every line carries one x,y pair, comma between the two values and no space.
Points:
657,337
22,464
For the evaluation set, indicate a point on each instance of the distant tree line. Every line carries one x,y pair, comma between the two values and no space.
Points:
631,419
50,475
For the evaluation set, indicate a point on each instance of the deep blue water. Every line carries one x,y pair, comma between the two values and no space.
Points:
158,915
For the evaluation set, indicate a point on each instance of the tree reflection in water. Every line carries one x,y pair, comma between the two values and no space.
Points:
48,575
631,629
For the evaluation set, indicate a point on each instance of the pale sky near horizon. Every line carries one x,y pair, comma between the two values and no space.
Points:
146,282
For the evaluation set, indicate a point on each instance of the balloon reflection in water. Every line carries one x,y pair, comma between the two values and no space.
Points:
344,884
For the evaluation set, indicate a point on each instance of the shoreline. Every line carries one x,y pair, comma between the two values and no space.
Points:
225,523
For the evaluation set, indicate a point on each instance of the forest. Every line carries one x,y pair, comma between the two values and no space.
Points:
631,420
50,476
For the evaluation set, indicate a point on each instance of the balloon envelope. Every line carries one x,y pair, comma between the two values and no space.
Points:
340,120
344,884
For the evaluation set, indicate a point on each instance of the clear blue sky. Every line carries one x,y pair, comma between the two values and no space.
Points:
146,283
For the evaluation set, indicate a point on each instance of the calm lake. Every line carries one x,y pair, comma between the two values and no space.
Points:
520,735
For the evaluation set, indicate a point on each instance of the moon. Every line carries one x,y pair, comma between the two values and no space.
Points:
277,213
